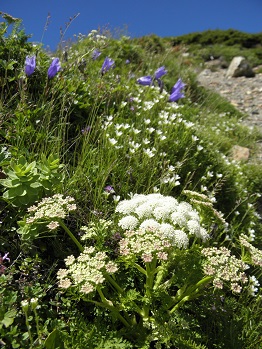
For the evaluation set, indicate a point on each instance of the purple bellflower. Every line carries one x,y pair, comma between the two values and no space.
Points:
176,91
54,68
145,80
95,54
160,72
148,80
30,65
108,64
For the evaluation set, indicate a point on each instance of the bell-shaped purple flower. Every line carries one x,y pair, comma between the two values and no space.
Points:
145,80
108,64
54,68
95,54
30,65
160,72
176,91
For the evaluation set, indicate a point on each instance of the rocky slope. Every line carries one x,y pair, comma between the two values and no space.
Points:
242,92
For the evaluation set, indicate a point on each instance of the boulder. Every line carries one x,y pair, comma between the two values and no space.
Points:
239,153
219,63
239,66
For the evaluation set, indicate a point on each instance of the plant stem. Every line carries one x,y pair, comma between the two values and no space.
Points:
105,304
114,283
191,293
28,329
150,273
81,248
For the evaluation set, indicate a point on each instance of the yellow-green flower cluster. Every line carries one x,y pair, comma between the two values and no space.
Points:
87,271
225,268
50,209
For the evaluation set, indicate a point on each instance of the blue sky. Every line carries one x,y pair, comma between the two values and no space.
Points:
140,17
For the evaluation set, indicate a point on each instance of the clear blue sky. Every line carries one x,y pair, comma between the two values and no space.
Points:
141,17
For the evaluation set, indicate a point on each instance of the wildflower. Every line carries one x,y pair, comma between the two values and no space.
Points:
2,259
128,222
25,305
30,65
176,91
148,80
109,189
86,271
160,72
54,68
108,64
127,61
225,268
34,303
50,208
53,225
95,54
145,80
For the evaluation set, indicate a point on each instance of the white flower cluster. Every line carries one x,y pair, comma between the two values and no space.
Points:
87,271
51,208
164,215
225,268
96,37
255,253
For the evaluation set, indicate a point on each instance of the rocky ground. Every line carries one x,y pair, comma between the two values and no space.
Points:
244,93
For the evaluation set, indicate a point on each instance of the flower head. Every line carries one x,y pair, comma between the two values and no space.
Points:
95,54
109,189
54,68
160,72
108,64
176,91
145,80
30,65
148,80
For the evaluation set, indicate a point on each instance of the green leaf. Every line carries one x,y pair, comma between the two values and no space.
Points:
9,317
54,341
17,191
30,167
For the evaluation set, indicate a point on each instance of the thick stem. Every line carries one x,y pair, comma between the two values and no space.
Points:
150,273
81,248
191,293
106,304
114,283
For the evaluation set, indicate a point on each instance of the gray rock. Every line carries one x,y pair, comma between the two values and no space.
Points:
239,66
